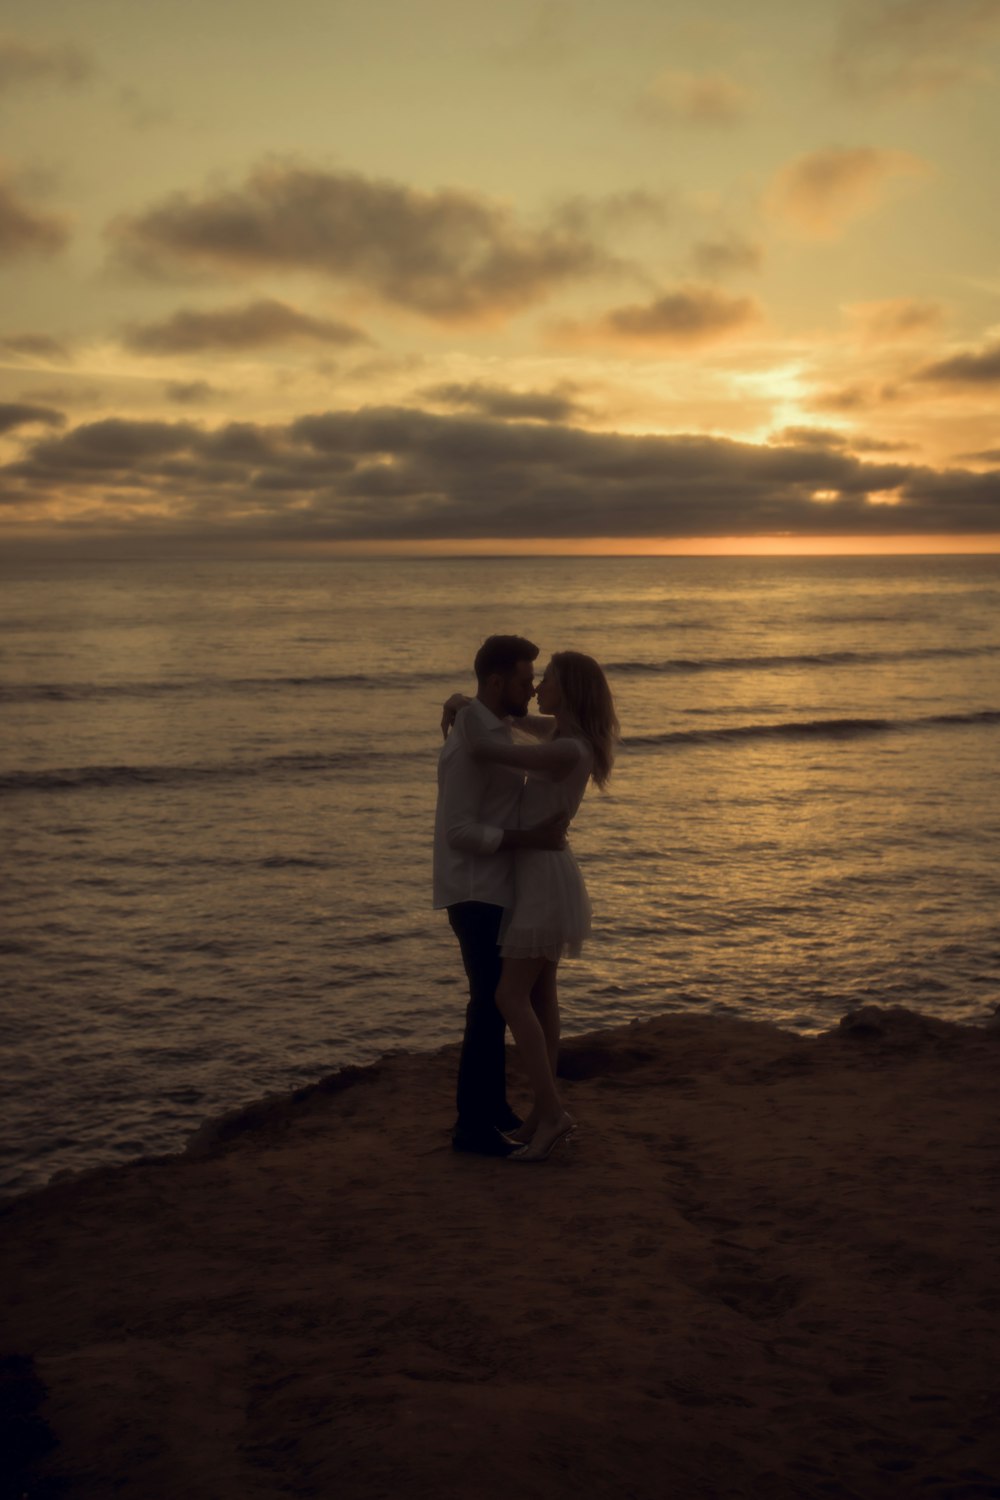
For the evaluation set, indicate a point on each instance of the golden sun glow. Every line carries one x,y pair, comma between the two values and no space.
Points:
719,546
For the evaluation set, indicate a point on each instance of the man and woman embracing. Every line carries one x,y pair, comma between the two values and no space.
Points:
509,783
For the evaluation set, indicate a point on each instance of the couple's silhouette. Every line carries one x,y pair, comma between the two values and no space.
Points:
513,891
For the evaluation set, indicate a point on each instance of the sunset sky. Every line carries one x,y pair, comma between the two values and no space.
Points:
443,276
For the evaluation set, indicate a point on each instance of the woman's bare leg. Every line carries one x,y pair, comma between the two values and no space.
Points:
545,1004
514,1001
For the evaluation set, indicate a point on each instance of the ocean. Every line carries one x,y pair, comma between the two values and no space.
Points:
217,788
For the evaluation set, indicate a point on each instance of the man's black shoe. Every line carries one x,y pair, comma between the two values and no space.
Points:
483,1142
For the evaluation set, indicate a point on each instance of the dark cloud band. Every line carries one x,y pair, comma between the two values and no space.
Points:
685,318
253,325
405,474
450,255
978,367
21,414
497,401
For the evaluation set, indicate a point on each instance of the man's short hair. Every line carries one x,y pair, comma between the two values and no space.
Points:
501,654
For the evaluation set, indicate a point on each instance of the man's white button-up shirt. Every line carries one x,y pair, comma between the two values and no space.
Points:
476,802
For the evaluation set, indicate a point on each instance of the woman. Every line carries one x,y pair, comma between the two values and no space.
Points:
551,912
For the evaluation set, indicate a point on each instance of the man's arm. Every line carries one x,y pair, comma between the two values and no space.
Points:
539,726
450,709
549,834
461,794
463,831
554,757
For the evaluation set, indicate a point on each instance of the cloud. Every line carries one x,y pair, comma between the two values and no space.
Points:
450,255
141,112
254,325
593,217
679,98
861,444
23,231
734,253
819,194
63,395
406,474
809,437
23,64
114,443
829,438
894,320
35,346
852,398
689,317
17,414
381,368
884,48
845,398
189,392
974,367
548,40
60,396
497,401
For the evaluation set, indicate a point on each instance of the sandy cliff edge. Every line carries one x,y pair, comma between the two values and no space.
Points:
766,1266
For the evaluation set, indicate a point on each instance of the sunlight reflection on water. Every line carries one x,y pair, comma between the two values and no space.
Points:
222,889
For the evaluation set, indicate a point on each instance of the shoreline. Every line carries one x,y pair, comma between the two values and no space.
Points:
766,1267
215,1129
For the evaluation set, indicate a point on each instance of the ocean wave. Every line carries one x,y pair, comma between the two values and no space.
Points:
691,664
807,729
86,692
70,778
73,778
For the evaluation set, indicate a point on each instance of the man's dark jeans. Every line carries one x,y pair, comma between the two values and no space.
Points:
482,1082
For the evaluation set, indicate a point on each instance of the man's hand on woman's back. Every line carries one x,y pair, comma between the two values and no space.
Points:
550,833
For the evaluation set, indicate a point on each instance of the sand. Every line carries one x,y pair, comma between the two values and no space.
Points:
765,1266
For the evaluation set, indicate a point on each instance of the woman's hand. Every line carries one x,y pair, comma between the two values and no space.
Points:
451,707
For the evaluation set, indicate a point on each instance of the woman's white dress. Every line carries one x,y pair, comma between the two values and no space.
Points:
551,913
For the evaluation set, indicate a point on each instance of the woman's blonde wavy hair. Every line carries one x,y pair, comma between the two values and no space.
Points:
588,701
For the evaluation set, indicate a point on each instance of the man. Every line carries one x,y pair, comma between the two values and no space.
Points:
475,834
